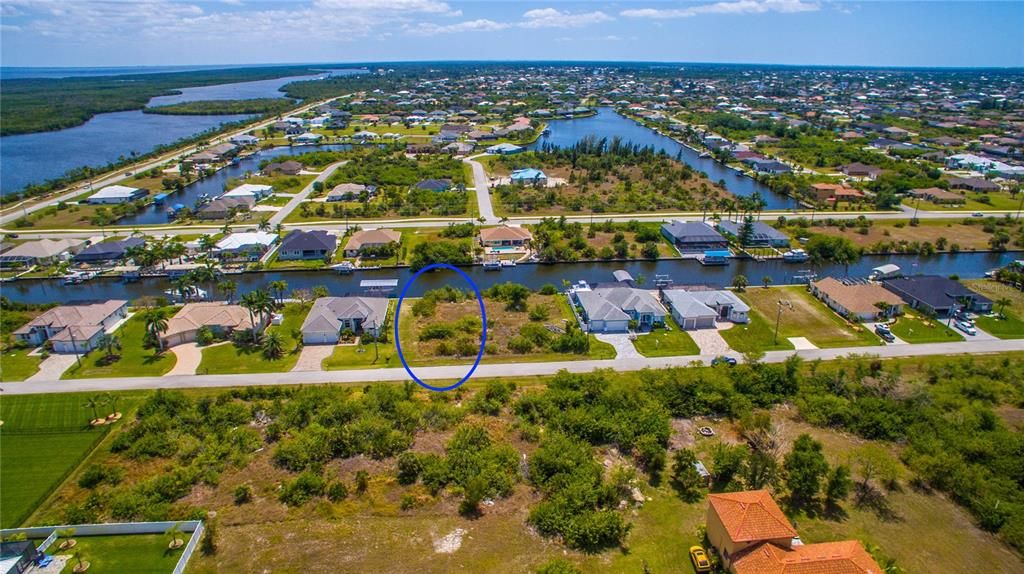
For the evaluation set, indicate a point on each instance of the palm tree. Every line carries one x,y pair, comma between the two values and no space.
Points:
228,288
739,282
1003,303
94,402
206,243
109,343
253,301
273,345
184,285
264,225
279,287
766,280
175,533
156,323
226,228
205,274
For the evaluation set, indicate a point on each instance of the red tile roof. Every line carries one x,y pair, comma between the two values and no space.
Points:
845,557
751,516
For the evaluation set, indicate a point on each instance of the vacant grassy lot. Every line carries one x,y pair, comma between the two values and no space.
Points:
967,237
16,365
135,360
136,553
43,439
666,343
912,328
756,335
1012,325
807,318
236,359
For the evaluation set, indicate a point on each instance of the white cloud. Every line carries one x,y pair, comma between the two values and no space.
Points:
734,8
481,25
552,18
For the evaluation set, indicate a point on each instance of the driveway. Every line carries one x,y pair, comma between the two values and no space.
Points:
624,348
802,343
897,341
302,195
483,190
189,355
312,357
52,368
710,342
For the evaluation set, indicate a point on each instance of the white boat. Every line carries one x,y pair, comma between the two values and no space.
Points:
884,272
492,265
76,277
191,294
795,256
704,154
508,263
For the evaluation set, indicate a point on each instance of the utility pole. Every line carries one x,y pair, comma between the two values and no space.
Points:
376,352
74,345
778,319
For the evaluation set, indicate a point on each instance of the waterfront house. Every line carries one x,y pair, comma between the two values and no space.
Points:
307,138
688,312
350,191
107,251
835,192
220,318
505,149
724,303
767,166
861,170
937,195
934,294
973,184
528,176
763,235
225,207
290,167
458,148
610,308
858,301
117,194
248,245
303,245
219,152
330,316
753,536
244,140
40,252
434,184
75,328
693,236
505,238
368,239
255,191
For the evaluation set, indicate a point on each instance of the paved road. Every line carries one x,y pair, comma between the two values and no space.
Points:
452,373
483,190
12,212
298,198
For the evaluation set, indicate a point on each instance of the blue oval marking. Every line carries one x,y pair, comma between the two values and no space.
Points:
483,334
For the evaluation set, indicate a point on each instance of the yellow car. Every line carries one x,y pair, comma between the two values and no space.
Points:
700,559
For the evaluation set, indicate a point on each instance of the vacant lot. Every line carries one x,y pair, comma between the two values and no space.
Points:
884,232
805,316
44,438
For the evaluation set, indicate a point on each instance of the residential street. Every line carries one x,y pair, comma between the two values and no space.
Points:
484,371
294,202
483,190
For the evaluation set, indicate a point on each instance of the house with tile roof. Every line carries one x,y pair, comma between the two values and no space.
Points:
843,557
43,251
220,318
504,238
330,316
370,239
73,328
610,308
857,301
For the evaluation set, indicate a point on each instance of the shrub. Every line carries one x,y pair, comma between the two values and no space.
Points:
539,313
204,336
243,494
299,491
337,491
97,474
409,468
520,345
362,481
548,289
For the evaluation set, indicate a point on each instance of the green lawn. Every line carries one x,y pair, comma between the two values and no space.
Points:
233,359
1012,325
136,553
805,316
362,357
135,360
43,439
666,343
756,335
16,365
913,329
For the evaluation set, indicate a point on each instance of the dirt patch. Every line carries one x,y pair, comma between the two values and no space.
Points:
449,543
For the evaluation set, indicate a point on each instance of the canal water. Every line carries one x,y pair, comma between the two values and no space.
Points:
33,158
607,123
682,272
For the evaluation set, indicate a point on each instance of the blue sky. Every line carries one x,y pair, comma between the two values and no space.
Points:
183,32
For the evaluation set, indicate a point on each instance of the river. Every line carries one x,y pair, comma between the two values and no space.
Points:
33,158
607,123
682,272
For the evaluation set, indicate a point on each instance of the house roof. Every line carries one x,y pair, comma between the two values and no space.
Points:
598,308
762,231
116,192
858,168
686,305
249,190
434,184
327,312
629,299
42,248
315,239
692,232
108,249
857,297
208,314
505,233
843,557
346,189
74,315
936,193
245,239
720,298
751,516
226,203
934,290
372,237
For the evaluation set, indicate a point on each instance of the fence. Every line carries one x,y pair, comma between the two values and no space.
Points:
49,533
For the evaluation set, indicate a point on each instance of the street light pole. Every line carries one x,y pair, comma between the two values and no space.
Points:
778,319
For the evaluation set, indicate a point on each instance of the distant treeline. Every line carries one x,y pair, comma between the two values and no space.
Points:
44,104
224,107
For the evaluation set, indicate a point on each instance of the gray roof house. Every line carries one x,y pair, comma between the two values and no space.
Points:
937,294
300,244
725,303
41,251
610,308
693,236
332,315
763,234
688,312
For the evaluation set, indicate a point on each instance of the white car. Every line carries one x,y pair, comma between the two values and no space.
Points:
970,330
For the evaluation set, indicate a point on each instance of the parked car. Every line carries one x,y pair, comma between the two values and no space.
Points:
700,559
723,360
969,329
963,318
884,332
977,214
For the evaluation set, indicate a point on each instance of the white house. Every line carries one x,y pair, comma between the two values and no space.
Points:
249,244
117,194
73,328
255,191
332,315
244,139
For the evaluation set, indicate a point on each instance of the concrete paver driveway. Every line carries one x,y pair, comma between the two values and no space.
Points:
624,348
710,342
189,355
53,367
312,357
